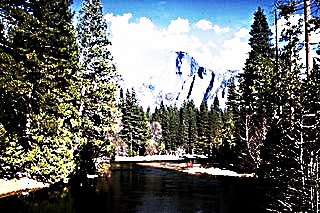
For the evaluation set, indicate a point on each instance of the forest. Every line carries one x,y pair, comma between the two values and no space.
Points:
59,109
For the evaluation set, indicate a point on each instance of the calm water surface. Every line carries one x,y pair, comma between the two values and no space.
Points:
133,188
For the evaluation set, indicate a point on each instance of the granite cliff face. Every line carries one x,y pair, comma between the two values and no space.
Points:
184,79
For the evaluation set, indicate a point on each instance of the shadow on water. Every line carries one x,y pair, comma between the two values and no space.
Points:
132,188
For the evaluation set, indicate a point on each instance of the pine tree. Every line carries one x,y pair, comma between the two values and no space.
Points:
144,130
98,86
233,127
230,115
192,127
164,121
42,42
156,115
255,82
201,147
173,127
183,126
217,123
12,114
136,130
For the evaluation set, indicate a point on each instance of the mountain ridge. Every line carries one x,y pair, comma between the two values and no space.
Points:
184,80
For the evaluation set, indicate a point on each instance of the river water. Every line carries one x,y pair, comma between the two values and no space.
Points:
133,188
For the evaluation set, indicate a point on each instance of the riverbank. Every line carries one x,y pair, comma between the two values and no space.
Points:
22,185
196,169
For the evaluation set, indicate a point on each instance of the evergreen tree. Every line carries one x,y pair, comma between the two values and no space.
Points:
201,147
225,153
126,111
156,115
294,136
136,130
255,82
192,127
98,108
144,130
164,121
173,128
217,123
230,115
40,42
183,126
232,127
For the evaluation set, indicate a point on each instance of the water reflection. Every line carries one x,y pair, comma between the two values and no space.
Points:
138,189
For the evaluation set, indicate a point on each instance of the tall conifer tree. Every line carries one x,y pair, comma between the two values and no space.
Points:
98,86
183,126
41,41
203,129
135,128
192,127
254,86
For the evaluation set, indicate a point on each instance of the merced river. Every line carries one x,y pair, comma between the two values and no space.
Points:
133,188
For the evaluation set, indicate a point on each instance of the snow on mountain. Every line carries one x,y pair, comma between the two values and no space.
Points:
183,79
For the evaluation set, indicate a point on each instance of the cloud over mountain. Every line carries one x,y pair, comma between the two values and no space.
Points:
144,52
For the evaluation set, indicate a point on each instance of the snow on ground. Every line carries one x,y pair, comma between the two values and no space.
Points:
195,170
18,185
147,158
215,171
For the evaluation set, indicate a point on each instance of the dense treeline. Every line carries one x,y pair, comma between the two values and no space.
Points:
171,130
57,89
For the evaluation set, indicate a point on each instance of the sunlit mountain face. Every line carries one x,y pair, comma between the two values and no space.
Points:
184,79
179,61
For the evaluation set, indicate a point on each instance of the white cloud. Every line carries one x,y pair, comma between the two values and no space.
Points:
242,33
219,29
179,25
142,51
234,51
204,25
211,44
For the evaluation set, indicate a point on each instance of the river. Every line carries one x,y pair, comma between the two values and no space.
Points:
133,188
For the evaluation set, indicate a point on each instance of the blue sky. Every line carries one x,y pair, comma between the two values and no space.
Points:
236,13
146,34
161,12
